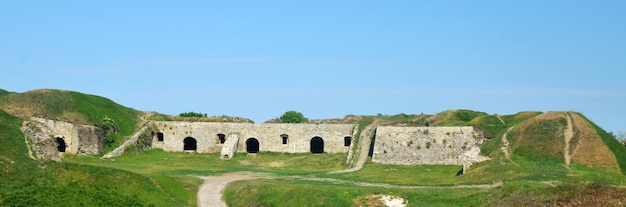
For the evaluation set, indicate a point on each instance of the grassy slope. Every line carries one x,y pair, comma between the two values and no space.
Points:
170,171
617,148
48,183
72,107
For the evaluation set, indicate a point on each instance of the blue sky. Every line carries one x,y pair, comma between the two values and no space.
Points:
326,59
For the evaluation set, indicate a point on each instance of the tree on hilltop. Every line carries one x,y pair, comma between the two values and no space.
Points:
292,117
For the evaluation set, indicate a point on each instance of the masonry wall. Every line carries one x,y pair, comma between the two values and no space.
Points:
79,139
268,136
427,145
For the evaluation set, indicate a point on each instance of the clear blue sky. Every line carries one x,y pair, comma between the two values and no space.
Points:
326,59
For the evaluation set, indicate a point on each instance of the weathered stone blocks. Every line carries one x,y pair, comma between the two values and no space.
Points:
427,145
270,137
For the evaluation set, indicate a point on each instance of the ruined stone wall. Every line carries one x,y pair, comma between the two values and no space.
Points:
268,136
427,145
79,139
143,131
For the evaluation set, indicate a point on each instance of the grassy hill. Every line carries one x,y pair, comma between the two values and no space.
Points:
553,158
72,107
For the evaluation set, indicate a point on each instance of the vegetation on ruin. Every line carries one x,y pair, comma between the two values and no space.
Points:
533,173
192,114
73,107
222,118
293,117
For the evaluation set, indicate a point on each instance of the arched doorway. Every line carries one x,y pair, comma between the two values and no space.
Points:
317,145
347,141
252,145
221,138
285,138
190,144
61,144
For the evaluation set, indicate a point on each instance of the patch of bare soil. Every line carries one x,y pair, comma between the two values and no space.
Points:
376,200
276,164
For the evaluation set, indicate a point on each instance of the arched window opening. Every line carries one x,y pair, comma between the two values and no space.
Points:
252,145
190,144
159,136
347,141
317,145
61,144
285,138
221,138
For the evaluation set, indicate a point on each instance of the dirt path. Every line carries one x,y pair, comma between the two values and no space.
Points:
505,146
500,118
364,148
386,185
210,192
30,151
569,134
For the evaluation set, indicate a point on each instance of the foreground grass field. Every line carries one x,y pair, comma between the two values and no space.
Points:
292,179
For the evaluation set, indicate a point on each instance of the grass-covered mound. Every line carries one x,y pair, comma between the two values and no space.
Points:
544,138
28,182
72,107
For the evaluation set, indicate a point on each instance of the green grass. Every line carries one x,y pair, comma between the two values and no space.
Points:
314,193
182,164
427,175
27,182
540,140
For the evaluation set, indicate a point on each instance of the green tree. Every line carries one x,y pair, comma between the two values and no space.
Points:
292,117
192,114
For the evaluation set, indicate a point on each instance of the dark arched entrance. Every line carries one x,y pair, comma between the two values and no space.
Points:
285,138
221,138
61,144
252,145
190,144
317,145
347,141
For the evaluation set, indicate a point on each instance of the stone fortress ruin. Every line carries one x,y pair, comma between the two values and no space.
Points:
390,144
228,138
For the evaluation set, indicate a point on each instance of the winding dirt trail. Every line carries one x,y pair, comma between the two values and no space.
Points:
500,118
30,151
569,134
505,146
364,148
387,185
210,192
